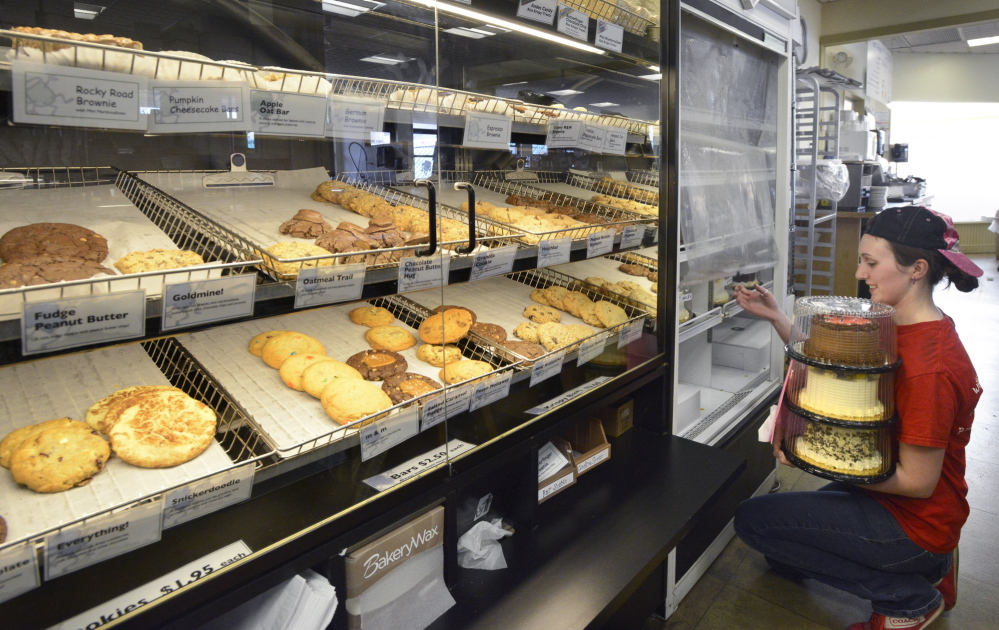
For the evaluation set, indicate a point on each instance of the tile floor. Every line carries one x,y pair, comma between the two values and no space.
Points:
739,592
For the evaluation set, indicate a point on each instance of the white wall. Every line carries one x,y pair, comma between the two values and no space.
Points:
927,77
863,19
811,11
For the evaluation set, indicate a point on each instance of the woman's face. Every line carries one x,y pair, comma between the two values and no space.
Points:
887,282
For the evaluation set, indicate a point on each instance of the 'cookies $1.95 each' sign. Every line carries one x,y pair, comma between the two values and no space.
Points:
75,322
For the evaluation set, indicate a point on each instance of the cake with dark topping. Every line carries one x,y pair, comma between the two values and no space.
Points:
845,340
840,449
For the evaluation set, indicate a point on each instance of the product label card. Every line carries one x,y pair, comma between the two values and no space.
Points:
572,22
630,332
355,118
18,570
493,262
591,138
490,390
328,285
438,408
287,114
591,348
547,367
592,461
383,434
600,243
208,495
104,537
563,135
482,508
487,131
537,10
632,236
417,273
609,36
615,141
193,106
418,465
75,97
550,461
75,322
196,303
173,581
554,251
567,396
555,486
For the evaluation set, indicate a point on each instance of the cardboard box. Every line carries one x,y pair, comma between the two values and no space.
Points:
688,406
740,343
552,484
589,445
617,420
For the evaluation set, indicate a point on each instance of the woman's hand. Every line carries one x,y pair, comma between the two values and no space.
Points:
776,443
762,303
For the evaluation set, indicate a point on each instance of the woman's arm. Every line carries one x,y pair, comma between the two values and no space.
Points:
762,303
916,474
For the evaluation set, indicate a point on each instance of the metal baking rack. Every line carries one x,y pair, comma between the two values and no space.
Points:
612,187
300,81
646,178
614,13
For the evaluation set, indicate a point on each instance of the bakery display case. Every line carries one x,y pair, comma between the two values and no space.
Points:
394,249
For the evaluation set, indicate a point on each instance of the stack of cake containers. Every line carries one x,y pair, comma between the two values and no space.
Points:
838,408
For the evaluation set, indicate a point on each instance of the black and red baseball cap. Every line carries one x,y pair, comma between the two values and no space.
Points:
916,226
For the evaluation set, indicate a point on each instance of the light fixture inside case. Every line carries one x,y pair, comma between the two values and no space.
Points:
350,8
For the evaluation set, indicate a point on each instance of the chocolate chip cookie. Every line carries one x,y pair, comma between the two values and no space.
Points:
63,240
634,270
492,332
403,387
376,365
35,270
448,307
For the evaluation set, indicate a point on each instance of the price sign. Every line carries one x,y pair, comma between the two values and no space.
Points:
327,285
630,332
418,465
615,141
537,10
196,303
287,114
417,273
609,36
75,322
493,262
489,391
547,367
563,135
173,581
75,97
591,138
555,486
592,461
550,461
73,548
18,570
632,236
198,106
591,348
554,251
355,117
438,408
383,434
567,396
572,22
600,243
487,131
208,495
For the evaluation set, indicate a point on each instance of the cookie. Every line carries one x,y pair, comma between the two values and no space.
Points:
492,332
317,376
279,348
371,316
438,356
634,270
654,276
35,270
627,286
464,370
555,294
376,365
3,530
288,250
407,386
63,240
554,336
446,327
17,437
579,331
348,399
293,369
391,338
105,412
588,313
542,314
256,346
538,295
305,224
524,349
610,314
448,307
163,429
597,282
573,301
655,288
527,331
157,260
59,459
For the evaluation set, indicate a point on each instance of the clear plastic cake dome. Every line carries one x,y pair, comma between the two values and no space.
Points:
852,333
851,397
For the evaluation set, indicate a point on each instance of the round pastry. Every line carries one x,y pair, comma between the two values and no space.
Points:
542,314
280,347
256,346
555,294
391,338
448,307
654,276
371,316
464,370
63,240
375,365
348,399
634,270
34,270
293,369
524,349
403,387
554,336
573,302
320,374
527,331
306,224
446,327
163,429
288,251
438,356
105,412
17,437
610,314
538,295
158,260
588,313
59,459
492,332
590,218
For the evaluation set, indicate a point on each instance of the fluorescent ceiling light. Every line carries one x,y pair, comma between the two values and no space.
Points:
604,104
386,60
350,8
467,32
513,26
86,11
983,41
651,77
654,68
515,83
564,92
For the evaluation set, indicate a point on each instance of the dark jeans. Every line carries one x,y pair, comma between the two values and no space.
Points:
840,536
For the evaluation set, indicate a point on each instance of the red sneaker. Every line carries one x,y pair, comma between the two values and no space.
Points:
881,622
948,584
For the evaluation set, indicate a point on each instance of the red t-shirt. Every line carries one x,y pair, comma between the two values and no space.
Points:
936,391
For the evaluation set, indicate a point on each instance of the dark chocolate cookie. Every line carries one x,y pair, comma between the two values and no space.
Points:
447,307
523,349
403,387
306,224
492,332
45,269
376,365
634,270
53,239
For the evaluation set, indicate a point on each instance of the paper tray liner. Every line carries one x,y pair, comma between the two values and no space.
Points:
66,386
287,418
606,268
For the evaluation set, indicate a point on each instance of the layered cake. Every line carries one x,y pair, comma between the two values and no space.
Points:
845,340
840,449
841,395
